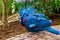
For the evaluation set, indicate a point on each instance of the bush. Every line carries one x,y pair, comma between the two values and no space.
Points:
47,6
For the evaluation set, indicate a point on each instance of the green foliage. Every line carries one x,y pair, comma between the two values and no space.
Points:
17,6
56,4
47,6
24,4
9,6
43,7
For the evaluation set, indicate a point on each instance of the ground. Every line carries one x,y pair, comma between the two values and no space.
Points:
15,28
43,35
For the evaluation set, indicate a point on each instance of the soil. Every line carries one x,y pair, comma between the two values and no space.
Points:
16,28
55,19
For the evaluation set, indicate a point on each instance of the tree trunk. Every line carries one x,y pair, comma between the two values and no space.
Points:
4,14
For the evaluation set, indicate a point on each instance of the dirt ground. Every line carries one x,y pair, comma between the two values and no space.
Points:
16,28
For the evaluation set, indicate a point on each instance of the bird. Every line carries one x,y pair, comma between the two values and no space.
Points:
35,22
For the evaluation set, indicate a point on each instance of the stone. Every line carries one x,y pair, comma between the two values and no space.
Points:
30,39
40,39
50,39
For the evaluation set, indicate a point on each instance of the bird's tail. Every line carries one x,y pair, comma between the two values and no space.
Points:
52,30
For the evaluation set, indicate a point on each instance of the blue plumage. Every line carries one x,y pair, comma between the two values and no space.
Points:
35,22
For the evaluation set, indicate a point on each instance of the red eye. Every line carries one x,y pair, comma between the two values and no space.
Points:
24,19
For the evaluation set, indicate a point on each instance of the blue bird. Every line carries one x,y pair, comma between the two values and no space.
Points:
35,22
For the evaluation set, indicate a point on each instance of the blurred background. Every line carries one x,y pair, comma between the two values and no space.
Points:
9,14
